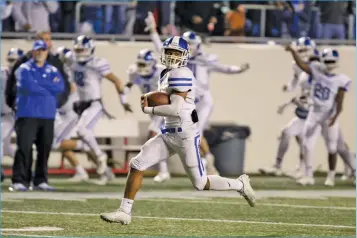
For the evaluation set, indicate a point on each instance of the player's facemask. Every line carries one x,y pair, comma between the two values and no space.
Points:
174,58
82,54
145,68
330,65
305,53
11,62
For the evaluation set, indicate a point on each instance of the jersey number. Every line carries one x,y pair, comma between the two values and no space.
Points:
79,78
147,88
321,92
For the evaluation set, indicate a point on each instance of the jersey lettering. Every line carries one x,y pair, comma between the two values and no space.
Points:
79,78
321,92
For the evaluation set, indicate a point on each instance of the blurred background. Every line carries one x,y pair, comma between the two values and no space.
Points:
278,19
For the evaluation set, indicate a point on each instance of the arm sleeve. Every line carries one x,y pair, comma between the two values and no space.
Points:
26,84
173,109
17,13
226,69
51,6
180,84
103,68
155,38
316,68
345,83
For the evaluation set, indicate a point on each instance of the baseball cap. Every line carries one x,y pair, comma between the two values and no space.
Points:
39,44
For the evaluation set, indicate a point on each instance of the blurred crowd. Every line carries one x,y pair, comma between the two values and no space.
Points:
326,20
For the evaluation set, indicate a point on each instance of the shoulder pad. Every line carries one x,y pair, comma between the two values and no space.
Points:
181,79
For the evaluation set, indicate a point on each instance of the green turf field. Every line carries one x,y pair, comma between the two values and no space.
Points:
175,209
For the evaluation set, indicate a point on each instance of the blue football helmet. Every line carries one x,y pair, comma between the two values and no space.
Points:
330,57
13,55
175,52
305,48
146,62
194,41
83,48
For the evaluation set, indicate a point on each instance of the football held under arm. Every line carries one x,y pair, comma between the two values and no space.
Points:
177,99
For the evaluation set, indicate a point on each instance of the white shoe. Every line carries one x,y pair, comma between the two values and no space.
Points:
344,177
102,164
118,216
102,180
110,174
329,182
44,187
162,177
18,187
78,178
247,191
271,171
306,181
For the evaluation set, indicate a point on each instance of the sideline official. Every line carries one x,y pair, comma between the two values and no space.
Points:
38,84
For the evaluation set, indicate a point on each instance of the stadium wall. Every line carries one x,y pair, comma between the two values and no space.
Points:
249,99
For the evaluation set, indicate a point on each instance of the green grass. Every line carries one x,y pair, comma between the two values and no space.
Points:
177,216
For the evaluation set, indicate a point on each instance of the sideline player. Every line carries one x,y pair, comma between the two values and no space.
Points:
145,73
306,48
201,64
66,122
180,135
328,90
7,114
88,72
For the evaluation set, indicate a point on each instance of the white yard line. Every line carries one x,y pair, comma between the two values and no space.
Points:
25,235
186,219
258,204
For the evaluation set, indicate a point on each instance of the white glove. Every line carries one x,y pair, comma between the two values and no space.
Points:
244,67
150,22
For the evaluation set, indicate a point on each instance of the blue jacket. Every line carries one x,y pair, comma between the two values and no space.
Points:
37,88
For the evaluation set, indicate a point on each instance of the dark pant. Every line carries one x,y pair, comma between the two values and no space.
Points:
31,131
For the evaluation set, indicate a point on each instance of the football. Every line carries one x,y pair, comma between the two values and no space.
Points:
157,99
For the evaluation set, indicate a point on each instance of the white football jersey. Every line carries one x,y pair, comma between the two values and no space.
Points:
304,97
146,84
180,80
5,72
88,76
325,87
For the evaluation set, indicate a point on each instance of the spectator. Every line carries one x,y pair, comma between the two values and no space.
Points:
33,15
67,16
197,16
235,21
332,19
10,91
38,85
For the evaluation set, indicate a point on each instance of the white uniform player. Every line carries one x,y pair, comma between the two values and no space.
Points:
146,74
327,95
88,72
7,114
66,118
180,135
202,65
306,48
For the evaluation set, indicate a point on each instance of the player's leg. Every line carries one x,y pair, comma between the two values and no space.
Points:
347,157
293,128
310,134
331,134
7,127
86,123
190,157
204,107
152,152
154,129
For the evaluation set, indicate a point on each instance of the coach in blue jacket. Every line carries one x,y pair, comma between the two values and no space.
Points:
38,84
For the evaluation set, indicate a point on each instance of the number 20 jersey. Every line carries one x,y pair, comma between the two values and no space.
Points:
88,76
325,86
